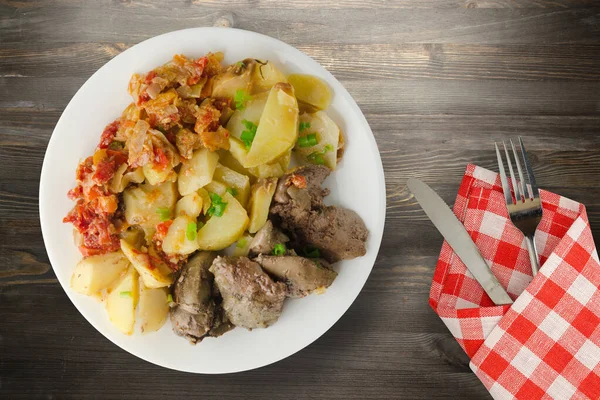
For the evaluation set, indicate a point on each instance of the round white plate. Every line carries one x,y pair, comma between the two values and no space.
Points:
358,184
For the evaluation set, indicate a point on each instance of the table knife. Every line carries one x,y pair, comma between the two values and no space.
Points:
459,239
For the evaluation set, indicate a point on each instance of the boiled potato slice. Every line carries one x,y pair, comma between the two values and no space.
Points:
328,137
220,232
205,199
190,205
278,127
237,77
197,171
216,187
154,308
150,273
122,301
260,202
243,246
234,180
142,203
177,241
227,159
251,112
276,168
266,75
311,90
95,273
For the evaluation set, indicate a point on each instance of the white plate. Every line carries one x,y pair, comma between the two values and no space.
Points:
358,184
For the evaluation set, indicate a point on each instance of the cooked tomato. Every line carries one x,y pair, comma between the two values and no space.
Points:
108,135
97,231
107,167
199,66
160,159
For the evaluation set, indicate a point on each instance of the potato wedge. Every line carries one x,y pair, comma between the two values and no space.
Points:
203,193
122,301
328,136
96,273
234,180
143,201
243,246
251,112
190,205
311,90
265,76
220,232
177,240
154,308
260,202
152,276
197,171
237,77
278,127
276,168
216,187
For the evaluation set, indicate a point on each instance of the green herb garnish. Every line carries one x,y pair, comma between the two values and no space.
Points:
232,191
308,140
279,249
114,145
164,213
241,243
125,294
311,252
248,134
241,98
169,298
303,126
217,206
316,157
190,231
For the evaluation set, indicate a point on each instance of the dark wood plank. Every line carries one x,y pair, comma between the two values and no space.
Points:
130,22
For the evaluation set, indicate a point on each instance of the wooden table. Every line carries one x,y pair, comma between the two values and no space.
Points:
438,80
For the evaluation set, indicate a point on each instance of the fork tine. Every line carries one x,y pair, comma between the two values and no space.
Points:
512,174
505,187
534,193
519,170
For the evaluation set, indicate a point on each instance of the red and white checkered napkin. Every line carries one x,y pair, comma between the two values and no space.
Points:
547,344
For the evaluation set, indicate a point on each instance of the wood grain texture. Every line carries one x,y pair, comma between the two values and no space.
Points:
438,80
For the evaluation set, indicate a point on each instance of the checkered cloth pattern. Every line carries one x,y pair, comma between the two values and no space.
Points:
546,345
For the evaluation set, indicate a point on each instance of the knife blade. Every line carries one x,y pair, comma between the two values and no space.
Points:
459,239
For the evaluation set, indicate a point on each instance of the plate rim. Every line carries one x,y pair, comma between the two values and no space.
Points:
373,236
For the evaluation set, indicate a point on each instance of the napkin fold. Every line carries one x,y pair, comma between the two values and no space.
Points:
546,345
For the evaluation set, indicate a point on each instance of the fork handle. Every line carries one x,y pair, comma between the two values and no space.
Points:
533,254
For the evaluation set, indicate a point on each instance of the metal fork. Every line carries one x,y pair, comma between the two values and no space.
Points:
525,210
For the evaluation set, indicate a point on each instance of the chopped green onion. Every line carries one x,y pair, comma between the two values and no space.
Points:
303,126
240,99
240,65
190,231
169,298
316,158
248,134
164,213
114,145
125,294
232,191
217,207
308,140
311,252
279,249
241,243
